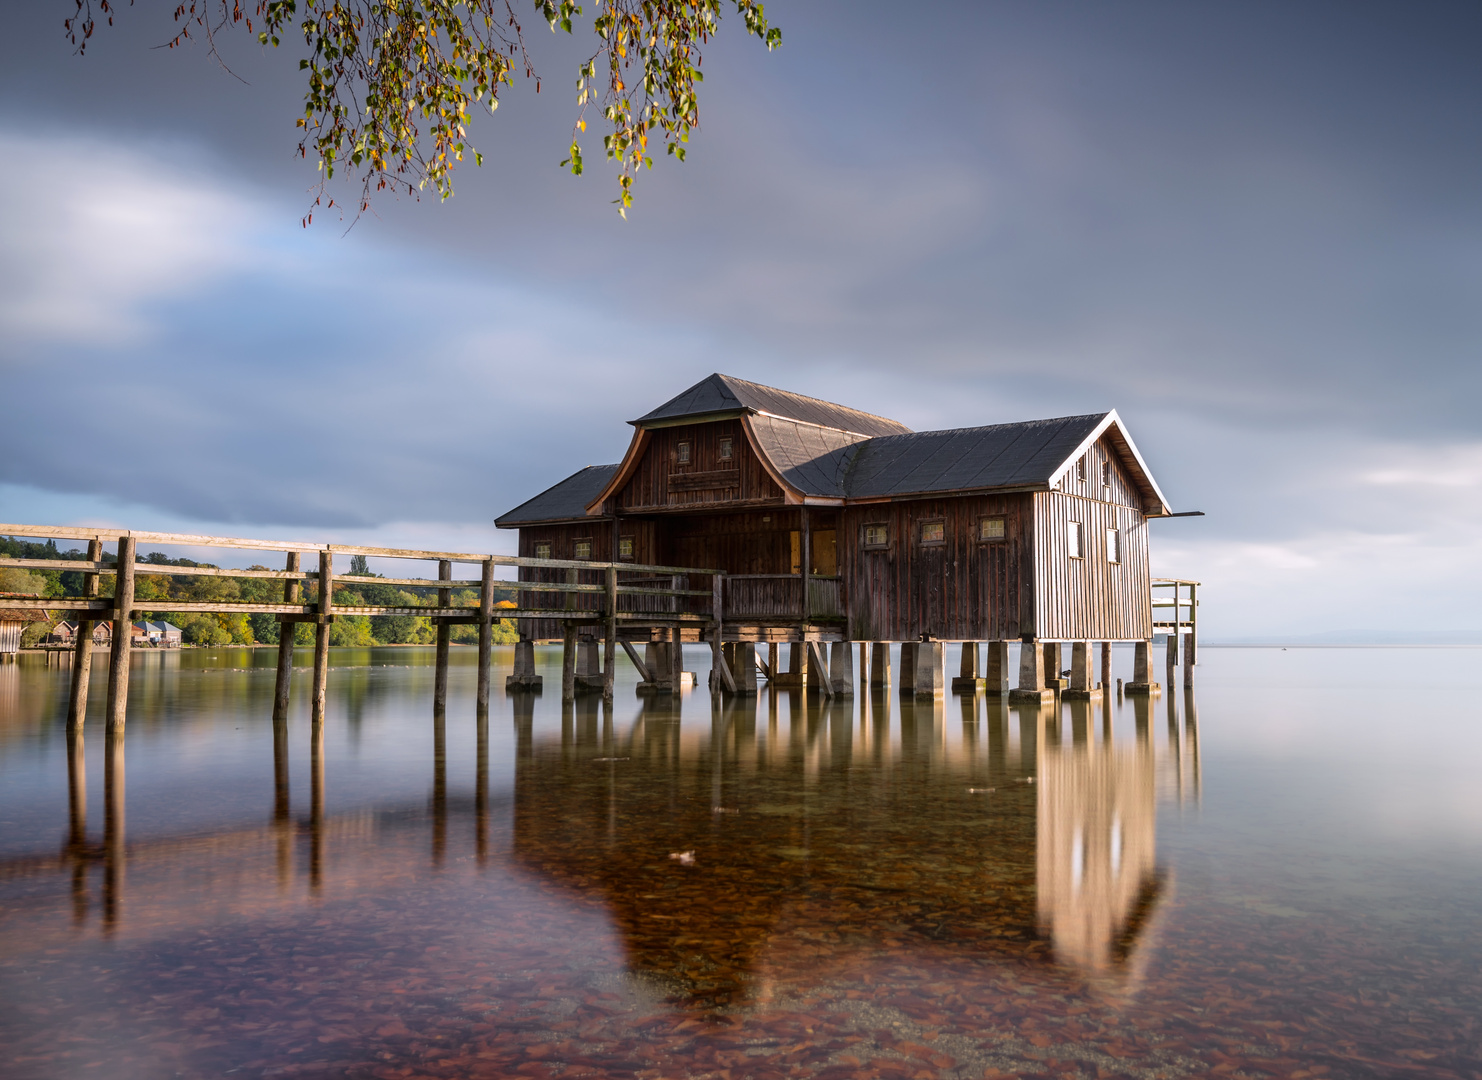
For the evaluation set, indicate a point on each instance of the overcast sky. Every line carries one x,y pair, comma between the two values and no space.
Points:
1253,229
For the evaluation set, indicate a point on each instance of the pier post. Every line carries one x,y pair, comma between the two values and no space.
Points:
486,634
908,667
123,633
1172,650
880,665
841,668
1142,683
444,636
609,645
1054,665
931,675
818,668
864,664
996,677
321,634
568,661
82,661
287,631
1081,682
743,670
1031,686
1188,660
1106,680
676,660
969,679
523,677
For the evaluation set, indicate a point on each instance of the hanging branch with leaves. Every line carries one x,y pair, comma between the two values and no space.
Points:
392,83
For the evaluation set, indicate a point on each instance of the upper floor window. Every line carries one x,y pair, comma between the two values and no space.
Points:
625,547
682,453
876,536
725,449
1073,546
1113,546
1080,469
1106,474
933,532
582,549
990,528
542,551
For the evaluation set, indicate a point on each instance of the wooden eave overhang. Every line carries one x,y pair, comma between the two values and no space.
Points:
1154,504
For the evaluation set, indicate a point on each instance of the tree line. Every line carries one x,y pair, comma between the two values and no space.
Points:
153,583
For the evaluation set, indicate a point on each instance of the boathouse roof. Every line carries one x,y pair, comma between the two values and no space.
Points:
566,501
720,396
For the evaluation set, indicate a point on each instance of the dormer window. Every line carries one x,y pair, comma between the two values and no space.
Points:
682,453
725,449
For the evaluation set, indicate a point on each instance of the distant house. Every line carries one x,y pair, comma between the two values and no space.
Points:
65,633
13,622
162,635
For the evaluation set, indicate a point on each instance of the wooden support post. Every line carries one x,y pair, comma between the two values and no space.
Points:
864,663
123,633
82,661
1032,675
1106,666
1082,686
321,634
1171,644
1142,683
931,674
676,659
908,667
721,677
286,633
805,566
841,668
486,634
744,667
773,658
819,670
568,661
609,645
444,632
1188,660
996,680
880,665
644,671
1054,665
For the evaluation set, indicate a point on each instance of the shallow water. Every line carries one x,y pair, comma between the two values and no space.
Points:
1276,877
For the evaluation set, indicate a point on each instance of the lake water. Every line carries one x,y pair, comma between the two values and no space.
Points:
1278,876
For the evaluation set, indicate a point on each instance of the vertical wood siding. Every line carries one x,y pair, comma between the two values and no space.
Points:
1089,598
1122,492
706,480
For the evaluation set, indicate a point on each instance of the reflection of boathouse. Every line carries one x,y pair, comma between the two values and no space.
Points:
779,850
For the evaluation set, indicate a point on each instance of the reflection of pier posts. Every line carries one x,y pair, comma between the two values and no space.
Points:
481,788
316,804
524,717
77,819
280,796
1175,745
439,787
113,824
1191,739
1029,730
82,662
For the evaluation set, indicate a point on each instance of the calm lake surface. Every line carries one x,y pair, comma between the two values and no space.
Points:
1280,875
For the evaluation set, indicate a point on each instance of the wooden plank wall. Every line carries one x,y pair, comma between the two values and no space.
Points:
1121,491
706,480
756,542
1089,598
962,590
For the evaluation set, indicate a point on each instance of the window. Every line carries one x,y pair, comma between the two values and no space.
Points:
542,551
933,532
1080,469
625,547
1113,546
725,449
990,528
682,453
1073,540
875,537
1106,474
582,549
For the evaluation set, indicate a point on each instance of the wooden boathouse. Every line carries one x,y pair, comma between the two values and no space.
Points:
826,526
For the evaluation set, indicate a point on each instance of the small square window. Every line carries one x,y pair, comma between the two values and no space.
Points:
682,453
542,551
582,549
933,532
877,536
725,449
1113,546
1073,540
1080,469
990,528
625,547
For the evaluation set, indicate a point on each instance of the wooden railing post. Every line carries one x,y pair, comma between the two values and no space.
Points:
609,647
123,633
287,631
444,632
321,634
486,633
82,662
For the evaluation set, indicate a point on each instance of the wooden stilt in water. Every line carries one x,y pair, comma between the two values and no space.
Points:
880,665
82,663
841,668
908,667
1172,651
1142,683
1106,679
321,635
568,662
996,676
864,663
818,672
76,788
1188,660
609,645
773,659
1032,686
316,792
287,631
444,636
486,636
676,660
123,634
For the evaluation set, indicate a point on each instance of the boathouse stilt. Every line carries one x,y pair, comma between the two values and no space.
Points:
1106,679
908,667
841,668
1054,665
1142,683
996,672
523,677
744,667
321,634
1082,684
1031,686
880,665
931,674
82,662
287,631
123,635
969,679
1189,661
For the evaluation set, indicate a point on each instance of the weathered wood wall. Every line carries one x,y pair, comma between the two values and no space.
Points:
1120,490
661,482
1090,598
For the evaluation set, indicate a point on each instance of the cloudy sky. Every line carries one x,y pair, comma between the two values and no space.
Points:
1252,228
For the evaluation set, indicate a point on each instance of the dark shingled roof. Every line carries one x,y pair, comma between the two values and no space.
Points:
728,394
566,501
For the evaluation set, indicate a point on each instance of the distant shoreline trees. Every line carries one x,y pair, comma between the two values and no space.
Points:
154,583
